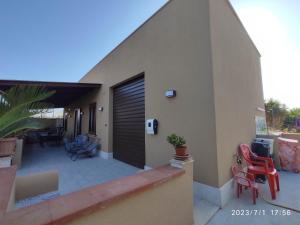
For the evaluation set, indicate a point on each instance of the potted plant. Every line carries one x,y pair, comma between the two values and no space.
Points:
179,144
7,146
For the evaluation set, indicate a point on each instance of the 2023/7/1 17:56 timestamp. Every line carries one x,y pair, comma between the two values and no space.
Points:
261,212
281,212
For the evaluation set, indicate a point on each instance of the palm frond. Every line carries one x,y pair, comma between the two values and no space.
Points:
20,103
19,96
25,124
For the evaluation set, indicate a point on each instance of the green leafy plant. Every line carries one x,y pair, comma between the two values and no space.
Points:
176,140
17,107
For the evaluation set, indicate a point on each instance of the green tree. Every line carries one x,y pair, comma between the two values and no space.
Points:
290,119
18,105
275,113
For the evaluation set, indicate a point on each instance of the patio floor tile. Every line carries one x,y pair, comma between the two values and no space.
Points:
73,175
289,195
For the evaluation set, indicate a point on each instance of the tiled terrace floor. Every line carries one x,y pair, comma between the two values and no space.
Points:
289,195
73,175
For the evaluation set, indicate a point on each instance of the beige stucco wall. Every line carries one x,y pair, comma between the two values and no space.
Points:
12,198
237,84
32,185
36,184
173,51
148,208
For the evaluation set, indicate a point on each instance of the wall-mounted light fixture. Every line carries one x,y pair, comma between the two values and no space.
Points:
100,109
68,112
170,93
81,113
68,115
260,109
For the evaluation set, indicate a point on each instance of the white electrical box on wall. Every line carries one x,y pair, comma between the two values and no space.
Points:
151,126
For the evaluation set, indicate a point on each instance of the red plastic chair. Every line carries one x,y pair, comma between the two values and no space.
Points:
261,165
246,180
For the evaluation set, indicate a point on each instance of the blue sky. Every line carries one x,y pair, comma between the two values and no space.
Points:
274,27
60,40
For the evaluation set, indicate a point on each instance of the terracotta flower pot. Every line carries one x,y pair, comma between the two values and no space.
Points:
7,146
181,151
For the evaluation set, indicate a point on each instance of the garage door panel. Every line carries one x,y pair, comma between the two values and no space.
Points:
133,91
130,102
131,96
131,130
129,109
131,117
130,137
129,113
129,122
133,84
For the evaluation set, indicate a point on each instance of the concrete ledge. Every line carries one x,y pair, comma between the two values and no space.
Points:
147,168
78,205
35,184
7,180
227,192
17,159
106,155
218,196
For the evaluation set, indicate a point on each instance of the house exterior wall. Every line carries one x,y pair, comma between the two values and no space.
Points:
172,50
238,88
200,49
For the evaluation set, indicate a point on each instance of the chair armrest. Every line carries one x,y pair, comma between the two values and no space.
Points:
268,160
258,163
36,184
248,175
263,164
236,177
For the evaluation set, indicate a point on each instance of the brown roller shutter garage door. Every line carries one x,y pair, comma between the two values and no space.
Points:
129,122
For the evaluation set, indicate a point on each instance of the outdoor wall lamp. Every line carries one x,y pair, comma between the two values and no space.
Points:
67,115
260,109
100,109
170,93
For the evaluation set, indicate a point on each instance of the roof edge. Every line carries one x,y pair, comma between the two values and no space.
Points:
49,83
129,36
241,23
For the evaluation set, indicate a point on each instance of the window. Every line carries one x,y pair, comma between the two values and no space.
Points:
92,118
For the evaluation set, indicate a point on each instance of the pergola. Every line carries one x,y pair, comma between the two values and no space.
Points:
65,92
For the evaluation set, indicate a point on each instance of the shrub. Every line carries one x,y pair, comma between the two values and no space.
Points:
176,140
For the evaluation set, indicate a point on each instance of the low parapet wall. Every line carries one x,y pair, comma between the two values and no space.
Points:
295,136
168,203
162,196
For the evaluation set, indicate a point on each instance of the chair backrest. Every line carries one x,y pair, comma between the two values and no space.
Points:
245,151
81,139
234,170
92,149
92,146
240,177
86,145
66,141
